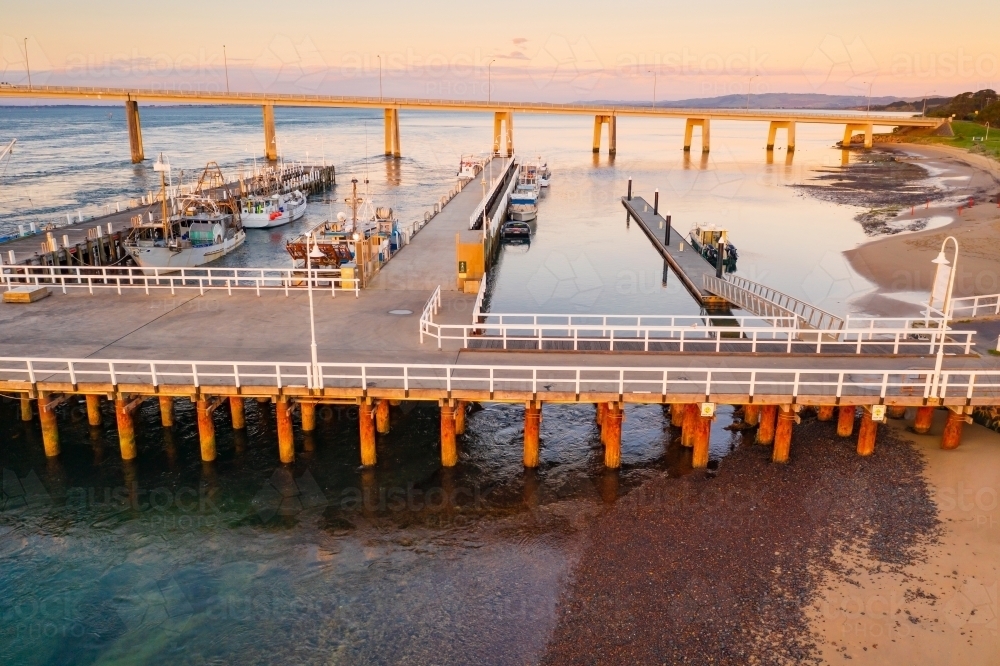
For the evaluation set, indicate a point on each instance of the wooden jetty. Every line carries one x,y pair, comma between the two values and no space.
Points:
685,261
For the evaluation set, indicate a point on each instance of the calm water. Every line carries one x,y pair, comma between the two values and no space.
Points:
170,560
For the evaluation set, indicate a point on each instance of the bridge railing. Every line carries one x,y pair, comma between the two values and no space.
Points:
970,307
766,301
116,278
477,215
868,383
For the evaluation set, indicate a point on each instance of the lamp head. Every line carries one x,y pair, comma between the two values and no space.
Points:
941,259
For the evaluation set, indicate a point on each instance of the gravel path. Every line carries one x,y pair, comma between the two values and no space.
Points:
718,568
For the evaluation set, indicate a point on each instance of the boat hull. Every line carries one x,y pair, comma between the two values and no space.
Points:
523,215
265,221
163,259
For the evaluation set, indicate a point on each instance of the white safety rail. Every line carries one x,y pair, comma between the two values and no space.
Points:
970,307
982,386
494,224
477,214
430,309
203,279
767,302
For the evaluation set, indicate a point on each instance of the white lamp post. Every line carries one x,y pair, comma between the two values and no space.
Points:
314,253
944,284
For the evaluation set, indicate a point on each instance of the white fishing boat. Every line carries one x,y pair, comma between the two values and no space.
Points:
540,169
264,212
470,166
204,226
706,239
523,205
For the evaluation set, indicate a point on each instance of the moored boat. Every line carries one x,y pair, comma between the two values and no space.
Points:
263,212
706,240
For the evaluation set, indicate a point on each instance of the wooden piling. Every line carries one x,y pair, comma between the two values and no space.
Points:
602,409
677,412
238,411
50,429
924,420
768,423
700,441
308,416
613,436
206,430
895,411
459,417
845,420
126,429
783,434
825,412
532,426
286,435
26,411
692,412
866,434
449,448
167,411
952,435
93,410
382,416
366,423
751,415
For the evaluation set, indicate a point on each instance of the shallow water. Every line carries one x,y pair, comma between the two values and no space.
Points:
169,560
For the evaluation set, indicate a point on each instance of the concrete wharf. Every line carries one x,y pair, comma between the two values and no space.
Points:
219,343
78,244
678,252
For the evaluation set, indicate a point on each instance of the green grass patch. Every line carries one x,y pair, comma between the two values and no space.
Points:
965,132
994,352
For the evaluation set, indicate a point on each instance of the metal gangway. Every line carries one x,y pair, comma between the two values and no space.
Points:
770,304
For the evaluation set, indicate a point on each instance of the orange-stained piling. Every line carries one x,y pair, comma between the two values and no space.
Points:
532,426
825,412
952,435
692,412
613,436
895,411
866,434
768,422
366,423
449,447
783,434
845,420
382,416
238,411
602,409
286,435
206,430
460,410
26,411
677,413
308,416
700,440
924,420
167,411
50,429
94,410
751,415
126,429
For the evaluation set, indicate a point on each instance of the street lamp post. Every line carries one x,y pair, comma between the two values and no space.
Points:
225,63
941,289
489,81
653,72
313,253
27,64
869,111
923,113
379,77
748,90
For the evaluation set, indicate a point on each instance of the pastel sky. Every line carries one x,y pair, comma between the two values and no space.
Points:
554,50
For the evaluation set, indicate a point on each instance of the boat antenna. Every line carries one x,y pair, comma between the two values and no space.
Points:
164,168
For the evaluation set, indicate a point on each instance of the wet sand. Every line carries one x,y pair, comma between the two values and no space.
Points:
943,608
901,264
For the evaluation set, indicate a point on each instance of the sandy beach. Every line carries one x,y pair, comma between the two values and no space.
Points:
901,264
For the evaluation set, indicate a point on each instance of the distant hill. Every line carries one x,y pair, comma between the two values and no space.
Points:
979,107
773,101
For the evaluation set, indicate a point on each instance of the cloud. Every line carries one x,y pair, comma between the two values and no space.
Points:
519,40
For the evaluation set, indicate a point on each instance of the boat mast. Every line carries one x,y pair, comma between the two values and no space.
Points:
164,169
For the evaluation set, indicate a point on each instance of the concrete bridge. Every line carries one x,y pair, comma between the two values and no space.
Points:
503,114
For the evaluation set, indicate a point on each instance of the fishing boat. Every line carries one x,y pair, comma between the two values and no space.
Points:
541,171
192,230
264,212
470,166
523,205
706,238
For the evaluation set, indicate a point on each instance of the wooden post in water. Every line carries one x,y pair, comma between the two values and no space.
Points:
783,434
895,411
286,434
459,417
308,416
700,440
924,420
690,426
126,429
602,409
677,411
167,411
50,429
845,420
449,448
26,412
751,415
768,423
382,416
93,409
532,426
366,423
206,429
238,411
825,412
613,436
952,435
866,433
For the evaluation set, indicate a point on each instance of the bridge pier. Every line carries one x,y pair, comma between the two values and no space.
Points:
772,132
612,122
392,132
134,131
503,120
867,128
270,142
532,427
705,125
